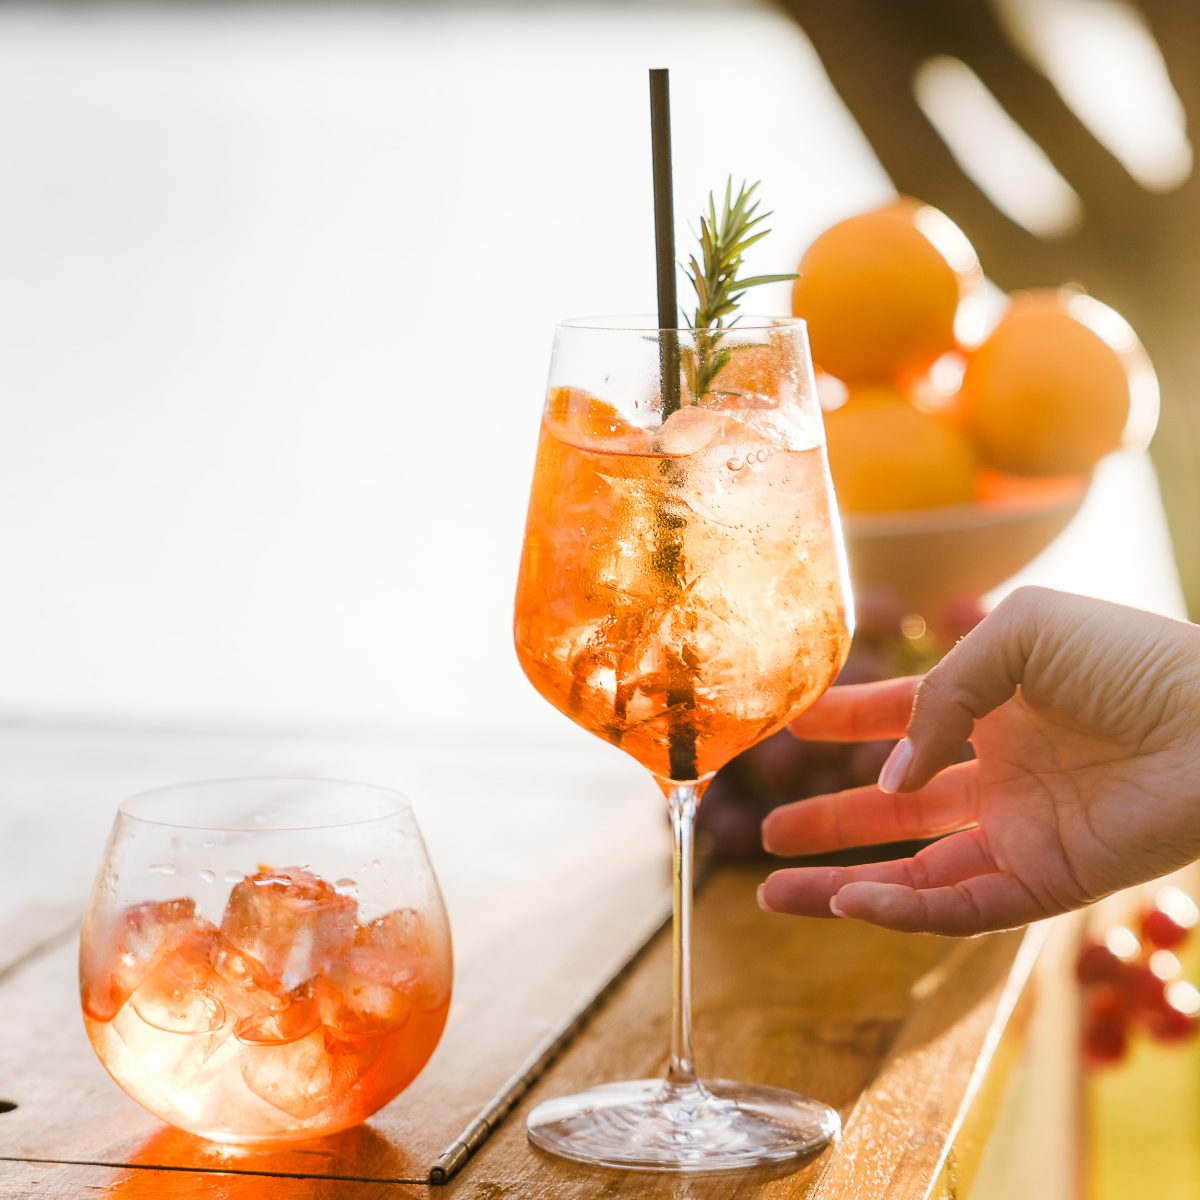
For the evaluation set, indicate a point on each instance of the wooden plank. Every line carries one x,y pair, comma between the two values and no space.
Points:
554,870
1034,1145
895,1031
70,1181
903,1137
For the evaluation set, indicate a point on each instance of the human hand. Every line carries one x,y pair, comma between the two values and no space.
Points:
1085,721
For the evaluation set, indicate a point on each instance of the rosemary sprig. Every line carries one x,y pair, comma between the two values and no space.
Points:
724,238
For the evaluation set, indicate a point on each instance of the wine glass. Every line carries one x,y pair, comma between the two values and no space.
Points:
265,959
682,594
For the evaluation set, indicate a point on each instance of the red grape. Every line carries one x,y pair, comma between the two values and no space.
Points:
864,665
777,766
878,612
830,778
732,821
959,617
866,761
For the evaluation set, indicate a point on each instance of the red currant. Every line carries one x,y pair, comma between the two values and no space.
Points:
1170,1024
1098,964
1162,929
1105,1043
1104,1004
1146,991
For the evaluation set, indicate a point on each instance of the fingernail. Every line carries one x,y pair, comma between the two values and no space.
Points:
762,900
764,834
835,907
894,770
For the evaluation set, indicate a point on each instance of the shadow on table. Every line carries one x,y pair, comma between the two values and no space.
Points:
167,1163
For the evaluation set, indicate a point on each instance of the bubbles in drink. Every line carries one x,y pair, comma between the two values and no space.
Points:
679,585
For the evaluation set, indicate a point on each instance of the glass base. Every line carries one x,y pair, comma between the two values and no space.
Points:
648,1125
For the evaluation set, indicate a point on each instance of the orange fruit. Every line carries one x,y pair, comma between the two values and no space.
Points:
1049,391
887,456
880,291
997,490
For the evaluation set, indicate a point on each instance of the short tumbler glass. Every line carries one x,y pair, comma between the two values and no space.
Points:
265,959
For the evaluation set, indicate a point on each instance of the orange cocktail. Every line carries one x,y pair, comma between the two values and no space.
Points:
686,577
682,594
295,1007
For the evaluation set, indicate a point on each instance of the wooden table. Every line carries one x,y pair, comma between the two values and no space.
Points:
553,860
553,901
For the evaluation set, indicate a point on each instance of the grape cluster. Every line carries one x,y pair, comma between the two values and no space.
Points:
889,641
1130,982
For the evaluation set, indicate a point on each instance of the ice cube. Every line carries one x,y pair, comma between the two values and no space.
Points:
290,1022
174,1033
291,921
407,951
355,1005
688,430
246,988
300,1078
180,995
115,960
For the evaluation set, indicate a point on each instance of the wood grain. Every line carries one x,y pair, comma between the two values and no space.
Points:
72,1181
897,1032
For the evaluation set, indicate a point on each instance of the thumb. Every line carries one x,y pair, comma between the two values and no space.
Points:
979,674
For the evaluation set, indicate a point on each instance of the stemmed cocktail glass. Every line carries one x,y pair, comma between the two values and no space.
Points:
682,594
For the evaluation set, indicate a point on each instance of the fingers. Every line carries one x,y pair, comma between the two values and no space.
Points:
978,675
807,891
951,887
980,905
866,816
859,712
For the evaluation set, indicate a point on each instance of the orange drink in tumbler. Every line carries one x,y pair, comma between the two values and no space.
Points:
289,1005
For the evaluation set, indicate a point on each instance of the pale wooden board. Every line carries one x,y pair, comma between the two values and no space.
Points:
898,1032
553,863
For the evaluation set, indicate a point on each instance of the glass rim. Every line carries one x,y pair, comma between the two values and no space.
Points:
647,323
400,804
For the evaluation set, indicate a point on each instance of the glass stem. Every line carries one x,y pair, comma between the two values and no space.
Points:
682,801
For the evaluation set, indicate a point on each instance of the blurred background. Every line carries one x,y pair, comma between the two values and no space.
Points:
277,287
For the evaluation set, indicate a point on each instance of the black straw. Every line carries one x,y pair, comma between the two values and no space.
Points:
664,237
668,558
